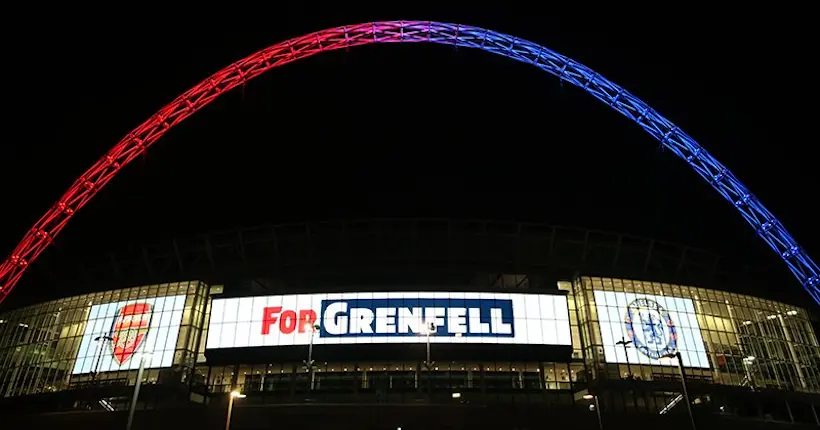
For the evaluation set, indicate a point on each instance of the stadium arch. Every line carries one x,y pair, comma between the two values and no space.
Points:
767,227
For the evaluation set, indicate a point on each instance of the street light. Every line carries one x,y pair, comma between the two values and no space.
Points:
597,409
135,396
431,329
309,361
100,347
677,355
234,395
748,362
623,342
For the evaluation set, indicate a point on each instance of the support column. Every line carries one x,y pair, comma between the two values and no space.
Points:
746,370
208,380
761,324
792,352
789,410
483,381
292,388
417,375
708,338
359,380
234,377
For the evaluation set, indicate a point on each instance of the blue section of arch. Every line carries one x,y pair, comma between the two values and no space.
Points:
768,228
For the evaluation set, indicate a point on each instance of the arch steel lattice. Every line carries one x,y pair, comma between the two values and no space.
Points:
39,237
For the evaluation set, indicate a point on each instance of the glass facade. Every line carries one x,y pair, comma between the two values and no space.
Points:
724,338
100,338
398,381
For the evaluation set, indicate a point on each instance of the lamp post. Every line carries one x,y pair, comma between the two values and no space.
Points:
748,362
677,355
309,361
100,347
594,397
135,396
234,395
623,342
431,329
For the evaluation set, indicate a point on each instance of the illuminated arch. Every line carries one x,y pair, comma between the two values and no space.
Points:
39,237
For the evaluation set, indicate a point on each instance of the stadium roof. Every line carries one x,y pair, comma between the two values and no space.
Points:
377,247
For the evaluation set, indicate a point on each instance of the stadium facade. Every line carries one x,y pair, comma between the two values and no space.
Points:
504,332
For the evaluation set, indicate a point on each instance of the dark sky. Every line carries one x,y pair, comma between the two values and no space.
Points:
415,130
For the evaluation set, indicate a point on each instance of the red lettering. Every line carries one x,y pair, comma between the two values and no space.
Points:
287,320
306,318
287,324
270,318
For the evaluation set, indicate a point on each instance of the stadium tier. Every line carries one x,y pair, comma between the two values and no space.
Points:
464,329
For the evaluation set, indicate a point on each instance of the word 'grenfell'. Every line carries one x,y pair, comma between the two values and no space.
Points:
366,318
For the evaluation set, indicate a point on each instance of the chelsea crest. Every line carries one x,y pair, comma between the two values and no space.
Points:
650,328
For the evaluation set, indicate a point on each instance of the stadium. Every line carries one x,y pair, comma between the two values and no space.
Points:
529,317
408,323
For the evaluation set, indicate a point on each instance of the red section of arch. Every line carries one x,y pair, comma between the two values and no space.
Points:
41,235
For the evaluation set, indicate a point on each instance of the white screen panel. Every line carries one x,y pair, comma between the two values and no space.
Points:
117,334
389,317
655,325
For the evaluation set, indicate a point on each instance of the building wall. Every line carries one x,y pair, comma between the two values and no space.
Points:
736,339
58,345
49,347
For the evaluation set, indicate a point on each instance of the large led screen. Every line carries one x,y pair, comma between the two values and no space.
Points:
389,317
118,334
652,326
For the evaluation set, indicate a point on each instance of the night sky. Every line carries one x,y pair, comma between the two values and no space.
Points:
412,130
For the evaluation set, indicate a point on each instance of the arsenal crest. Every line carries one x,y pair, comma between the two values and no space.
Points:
129,329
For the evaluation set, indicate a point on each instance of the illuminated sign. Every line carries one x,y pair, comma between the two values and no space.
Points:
652,326
362,318
117,334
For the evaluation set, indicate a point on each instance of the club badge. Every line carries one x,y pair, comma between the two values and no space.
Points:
129,329
651,329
